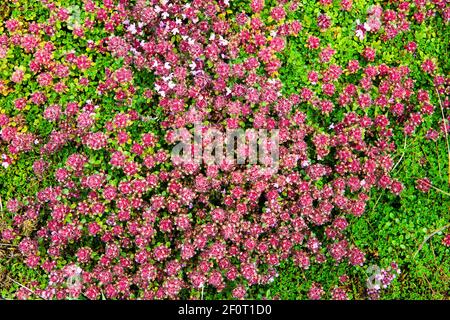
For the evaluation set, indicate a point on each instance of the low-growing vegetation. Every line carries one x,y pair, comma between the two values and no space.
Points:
96,94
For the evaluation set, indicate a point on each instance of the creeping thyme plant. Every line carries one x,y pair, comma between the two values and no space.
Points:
93,96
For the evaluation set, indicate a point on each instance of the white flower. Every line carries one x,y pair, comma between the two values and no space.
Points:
212,36
132,28
175,31
165,15
5,164
171,84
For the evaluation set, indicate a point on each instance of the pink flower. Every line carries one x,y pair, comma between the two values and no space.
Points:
313,42
53,113
428,66
315,292
17,76
446,240
257,5
338,294
369,54
239,292
278,13
323,22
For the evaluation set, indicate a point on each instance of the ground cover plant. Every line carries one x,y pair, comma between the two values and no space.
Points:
95,95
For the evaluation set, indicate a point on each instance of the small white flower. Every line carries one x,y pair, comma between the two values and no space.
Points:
175,31
360,34
165,15
5,164
212,36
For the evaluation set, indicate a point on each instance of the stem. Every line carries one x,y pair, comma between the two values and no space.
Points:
440,190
